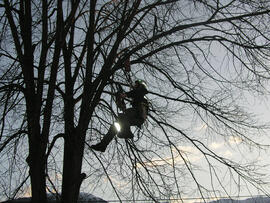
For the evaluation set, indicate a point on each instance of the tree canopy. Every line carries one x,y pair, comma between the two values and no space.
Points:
62,63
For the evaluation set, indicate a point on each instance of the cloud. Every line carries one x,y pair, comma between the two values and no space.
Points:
221,148
179,156
232,140
228,154
201,127
235,140
187,149
27,192
216,145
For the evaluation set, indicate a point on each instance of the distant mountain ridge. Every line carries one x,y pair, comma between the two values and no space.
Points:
84,197
259,199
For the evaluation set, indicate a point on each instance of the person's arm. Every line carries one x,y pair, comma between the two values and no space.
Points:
140,92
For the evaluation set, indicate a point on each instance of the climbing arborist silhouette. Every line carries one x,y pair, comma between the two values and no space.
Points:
134,116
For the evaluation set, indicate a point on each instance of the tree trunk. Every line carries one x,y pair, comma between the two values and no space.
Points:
36,162
72,177
38,179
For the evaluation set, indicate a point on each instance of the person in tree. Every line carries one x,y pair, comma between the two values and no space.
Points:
134,116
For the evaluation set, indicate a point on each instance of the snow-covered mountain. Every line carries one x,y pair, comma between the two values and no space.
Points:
260,199
84,197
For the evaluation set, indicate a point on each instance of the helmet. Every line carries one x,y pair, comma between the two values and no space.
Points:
141,83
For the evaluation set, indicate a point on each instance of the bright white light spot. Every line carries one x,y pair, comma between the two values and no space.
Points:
117,126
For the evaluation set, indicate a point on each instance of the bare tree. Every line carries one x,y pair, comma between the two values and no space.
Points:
63,62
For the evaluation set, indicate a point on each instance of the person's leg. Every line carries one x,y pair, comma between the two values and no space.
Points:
127,119
130,118
106,140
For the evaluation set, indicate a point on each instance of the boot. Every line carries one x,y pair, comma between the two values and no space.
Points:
105,141
99,147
